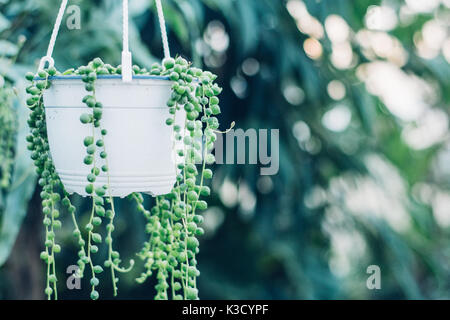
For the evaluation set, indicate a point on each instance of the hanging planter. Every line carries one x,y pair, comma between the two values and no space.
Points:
140,149
103,132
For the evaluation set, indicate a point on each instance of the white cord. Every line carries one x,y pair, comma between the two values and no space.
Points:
162,25
48,58
127,73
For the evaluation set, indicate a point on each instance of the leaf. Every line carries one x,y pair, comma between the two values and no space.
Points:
176,21
248,26
365,106
4,23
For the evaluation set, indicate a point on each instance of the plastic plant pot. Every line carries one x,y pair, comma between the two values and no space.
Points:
139,144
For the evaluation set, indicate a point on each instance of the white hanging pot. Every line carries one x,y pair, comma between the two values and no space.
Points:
139,144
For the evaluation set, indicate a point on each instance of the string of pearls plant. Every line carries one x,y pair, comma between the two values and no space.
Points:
173,222
8,130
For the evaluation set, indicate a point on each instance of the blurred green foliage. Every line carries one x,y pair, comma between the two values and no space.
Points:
344,198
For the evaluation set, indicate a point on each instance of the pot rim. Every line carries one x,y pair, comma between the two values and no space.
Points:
106,76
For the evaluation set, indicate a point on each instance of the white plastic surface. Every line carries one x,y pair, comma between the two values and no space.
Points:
139,143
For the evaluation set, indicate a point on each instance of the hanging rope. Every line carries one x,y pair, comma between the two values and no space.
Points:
48,58
162,25
127,72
